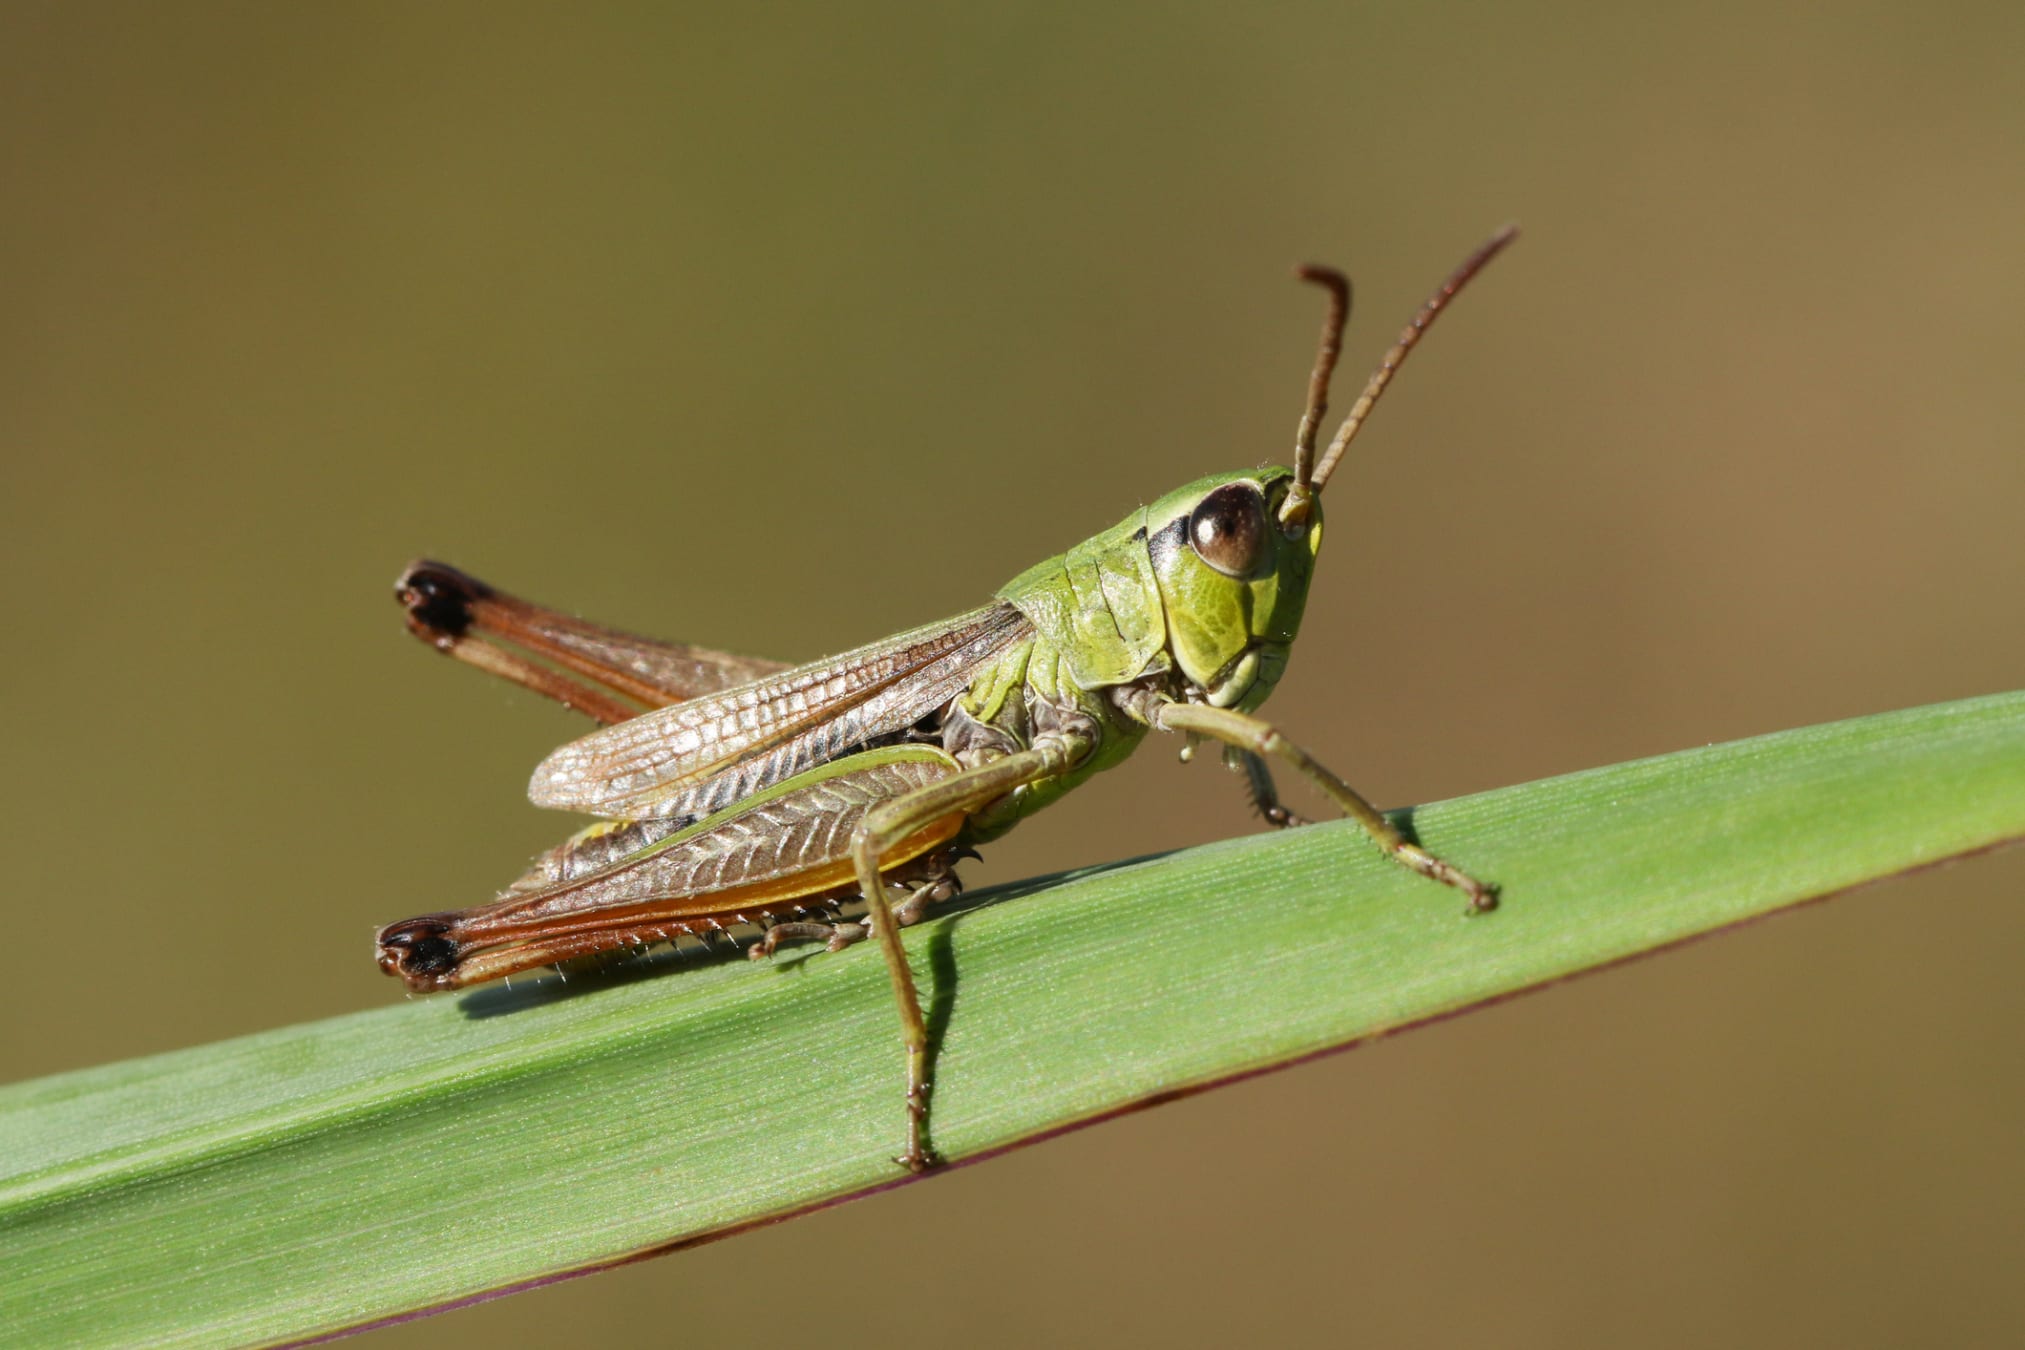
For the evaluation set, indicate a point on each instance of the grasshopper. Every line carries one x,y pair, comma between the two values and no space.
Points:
737,791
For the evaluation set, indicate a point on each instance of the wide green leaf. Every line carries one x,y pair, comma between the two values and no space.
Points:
322,1176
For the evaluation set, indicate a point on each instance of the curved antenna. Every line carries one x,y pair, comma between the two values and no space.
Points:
1393,358
1326,352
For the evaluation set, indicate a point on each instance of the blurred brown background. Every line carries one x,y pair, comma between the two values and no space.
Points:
785,331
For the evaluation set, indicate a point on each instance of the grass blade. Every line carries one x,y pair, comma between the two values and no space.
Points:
316,1177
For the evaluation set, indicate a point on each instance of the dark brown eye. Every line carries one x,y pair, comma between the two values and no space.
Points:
1228,528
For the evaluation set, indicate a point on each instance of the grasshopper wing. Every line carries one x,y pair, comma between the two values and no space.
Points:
766,858
693,758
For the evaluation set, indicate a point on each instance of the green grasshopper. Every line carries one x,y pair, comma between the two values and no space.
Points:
737,791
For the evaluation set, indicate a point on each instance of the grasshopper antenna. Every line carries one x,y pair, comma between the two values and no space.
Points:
1326,352
1388,366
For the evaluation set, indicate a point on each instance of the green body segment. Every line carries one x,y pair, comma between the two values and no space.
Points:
1098,605
1035,671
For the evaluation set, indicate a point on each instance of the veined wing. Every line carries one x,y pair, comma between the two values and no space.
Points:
765,858
693,758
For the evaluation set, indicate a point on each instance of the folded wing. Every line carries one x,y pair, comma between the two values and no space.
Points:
697,757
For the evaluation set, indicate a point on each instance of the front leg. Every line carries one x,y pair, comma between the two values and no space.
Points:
1254,736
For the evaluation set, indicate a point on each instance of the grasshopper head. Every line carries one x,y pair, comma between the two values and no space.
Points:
1233,578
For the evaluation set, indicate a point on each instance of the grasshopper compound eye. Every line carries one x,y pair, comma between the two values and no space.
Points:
1228,528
